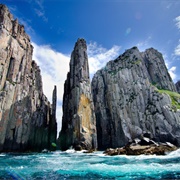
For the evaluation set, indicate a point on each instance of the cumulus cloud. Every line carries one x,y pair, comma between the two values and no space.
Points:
172,71
99,56
55,65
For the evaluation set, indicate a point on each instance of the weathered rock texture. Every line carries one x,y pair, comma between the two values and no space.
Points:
161,149
128,102
78,123
27,121
178,86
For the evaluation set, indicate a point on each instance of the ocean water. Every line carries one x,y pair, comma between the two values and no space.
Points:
79,165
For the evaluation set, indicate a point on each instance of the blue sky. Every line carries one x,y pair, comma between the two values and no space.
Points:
109,27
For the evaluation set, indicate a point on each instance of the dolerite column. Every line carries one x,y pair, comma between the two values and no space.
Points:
52,122
78,122
178,86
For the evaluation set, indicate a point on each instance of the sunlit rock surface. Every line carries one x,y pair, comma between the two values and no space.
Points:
27,119
130,100
78,123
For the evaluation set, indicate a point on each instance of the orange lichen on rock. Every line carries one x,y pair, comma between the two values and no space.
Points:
19,122
85,112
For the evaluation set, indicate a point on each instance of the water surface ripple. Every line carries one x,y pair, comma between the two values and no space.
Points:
78,165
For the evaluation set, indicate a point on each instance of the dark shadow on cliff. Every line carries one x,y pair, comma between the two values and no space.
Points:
27,130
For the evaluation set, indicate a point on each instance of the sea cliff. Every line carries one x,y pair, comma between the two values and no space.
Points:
27,119
135,95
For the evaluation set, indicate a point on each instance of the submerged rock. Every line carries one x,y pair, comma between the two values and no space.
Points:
27,119
78,122
135,95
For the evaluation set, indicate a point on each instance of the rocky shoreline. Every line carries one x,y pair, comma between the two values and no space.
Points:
144,146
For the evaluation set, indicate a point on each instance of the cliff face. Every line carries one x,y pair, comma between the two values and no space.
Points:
133,96
157,72
26,116
178,86
78,123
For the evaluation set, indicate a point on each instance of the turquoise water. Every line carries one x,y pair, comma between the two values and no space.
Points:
78,165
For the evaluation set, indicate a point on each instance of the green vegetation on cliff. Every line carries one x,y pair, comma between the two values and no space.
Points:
175,97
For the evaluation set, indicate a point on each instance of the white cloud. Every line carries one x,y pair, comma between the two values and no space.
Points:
99,56
171,70
55,65
177,20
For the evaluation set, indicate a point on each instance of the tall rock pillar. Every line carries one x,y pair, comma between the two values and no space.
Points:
78,123
52,122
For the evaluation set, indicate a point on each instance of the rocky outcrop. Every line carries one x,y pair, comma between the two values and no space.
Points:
78,122
157,72
178,86
158,149
27,119
134,95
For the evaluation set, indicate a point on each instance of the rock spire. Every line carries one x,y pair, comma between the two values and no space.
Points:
78,123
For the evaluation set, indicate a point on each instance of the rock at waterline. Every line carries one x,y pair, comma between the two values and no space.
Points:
137,149
134,94
27,119
78,122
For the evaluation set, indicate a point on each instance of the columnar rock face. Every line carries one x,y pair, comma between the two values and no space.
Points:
25,113
157,71
52,129
130,100
178,86
78,123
